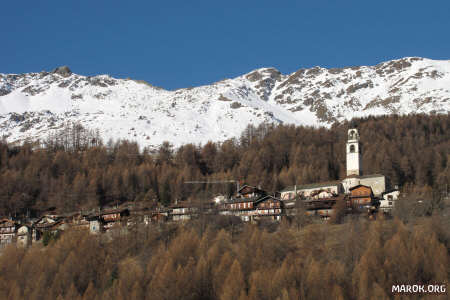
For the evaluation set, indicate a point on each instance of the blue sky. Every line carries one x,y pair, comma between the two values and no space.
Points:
176,44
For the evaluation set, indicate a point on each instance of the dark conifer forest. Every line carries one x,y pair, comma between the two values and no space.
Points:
411,150
220,257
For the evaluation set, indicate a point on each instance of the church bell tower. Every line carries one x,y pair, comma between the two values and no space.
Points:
354,151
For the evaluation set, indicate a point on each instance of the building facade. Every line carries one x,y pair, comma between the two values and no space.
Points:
7,232
354,172
306,190
387,203
376,181
24,236
361,196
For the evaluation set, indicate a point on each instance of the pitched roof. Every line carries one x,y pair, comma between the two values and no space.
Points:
7,223
312,185
181,204
251,199
55,219
107,212
371,176
266,197
256,189
365,176
358,186
390,191
48,225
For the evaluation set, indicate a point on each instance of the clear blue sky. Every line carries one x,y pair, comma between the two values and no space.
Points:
176,44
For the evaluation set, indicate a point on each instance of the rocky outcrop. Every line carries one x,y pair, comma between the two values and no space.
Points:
33,104
64,71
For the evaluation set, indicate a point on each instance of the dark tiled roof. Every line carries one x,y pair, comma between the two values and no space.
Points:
184,204
252,199
107,212
47,225
358,186
56,218
268,196
249,186
7,223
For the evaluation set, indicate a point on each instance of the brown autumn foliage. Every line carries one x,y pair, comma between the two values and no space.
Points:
72,172
358,259
221,258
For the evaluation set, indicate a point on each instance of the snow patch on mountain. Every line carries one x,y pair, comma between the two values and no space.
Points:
33,105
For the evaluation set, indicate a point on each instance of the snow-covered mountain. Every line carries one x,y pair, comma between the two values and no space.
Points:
35,104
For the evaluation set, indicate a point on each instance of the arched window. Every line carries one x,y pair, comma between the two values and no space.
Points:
352,148
351,135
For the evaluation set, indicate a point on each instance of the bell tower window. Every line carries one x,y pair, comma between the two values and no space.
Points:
354,153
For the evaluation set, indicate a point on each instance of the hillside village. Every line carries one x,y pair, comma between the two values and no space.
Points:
224,150
362,194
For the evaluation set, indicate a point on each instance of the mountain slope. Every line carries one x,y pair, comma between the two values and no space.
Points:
35,104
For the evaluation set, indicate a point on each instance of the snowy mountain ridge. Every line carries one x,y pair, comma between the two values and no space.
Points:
33,105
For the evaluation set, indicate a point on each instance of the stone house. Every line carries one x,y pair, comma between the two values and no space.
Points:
51,223
387,203
24,236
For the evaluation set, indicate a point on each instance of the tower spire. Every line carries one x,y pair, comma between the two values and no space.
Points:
354,153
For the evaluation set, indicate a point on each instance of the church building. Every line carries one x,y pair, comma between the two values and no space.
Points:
355,175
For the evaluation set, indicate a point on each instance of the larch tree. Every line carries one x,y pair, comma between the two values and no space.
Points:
234,284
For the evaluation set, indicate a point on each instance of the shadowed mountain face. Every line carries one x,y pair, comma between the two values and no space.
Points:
33,105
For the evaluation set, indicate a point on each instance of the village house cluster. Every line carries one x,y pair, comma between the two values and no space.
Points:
360,193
